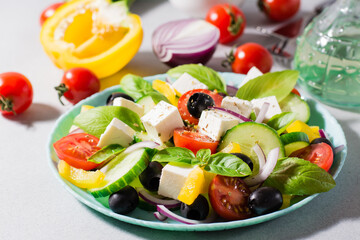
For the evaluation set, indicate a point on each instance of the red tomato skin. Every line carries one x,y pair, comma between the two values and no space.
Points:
17,88
194,141
320,153
182,104
220,17
49,11
295,91
76,148
227,194
279,10
249,55
81,83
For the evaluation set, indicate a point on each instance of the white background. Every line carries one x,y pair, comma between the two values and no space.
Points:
34,205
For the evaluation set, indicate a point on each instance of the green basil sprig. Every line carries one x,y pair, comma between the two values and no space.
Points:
135,86
224,164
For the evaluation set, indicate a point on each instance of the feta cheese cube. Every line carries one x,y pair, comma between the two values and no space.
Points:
161,121
274,107
173,179
237,105
215,123
117,132
254,72
123,102
186,83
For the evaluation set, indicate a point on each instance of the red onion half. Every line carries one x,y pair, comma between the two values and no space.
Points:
185,41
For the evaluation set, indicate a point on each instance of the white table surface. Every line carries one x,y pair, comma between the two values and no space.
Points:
34,205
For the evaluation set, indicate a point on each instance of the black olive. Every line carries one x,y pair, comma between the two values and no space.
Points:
150,177
114,95
124,201
265,200
246,159
198,210
198,102
322,140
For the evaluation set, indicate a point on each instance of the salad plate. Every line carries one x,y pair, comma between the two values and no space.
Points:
319,116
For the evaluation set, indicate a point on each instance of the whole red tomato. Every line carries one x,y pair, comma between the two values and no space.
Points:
49,11
279,10
77,84
229,19
247,56
16,93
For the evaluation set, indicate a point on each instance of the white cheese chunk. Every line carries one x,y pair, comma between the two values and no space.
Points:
186,83
237,105
215,123
161,121
274,107
173,179
254,72
123,102
117,132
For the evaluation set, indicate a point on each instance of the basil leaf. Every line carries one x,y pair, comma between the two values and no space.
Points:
136,86
281,121
157,97
296,176
106,153
228,165
95,120
203,155
174,154
278,84
202,73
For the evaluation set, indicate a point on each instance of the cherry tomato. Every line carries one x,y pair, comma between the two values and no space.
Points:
249,55
49,11
279,10
229,196
16,93
183,100
77,84
193,140
76,148
320,153
229,19
296,92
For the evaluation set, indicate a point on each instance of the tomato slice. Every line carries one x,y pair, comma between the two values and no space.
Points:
229,196
183,100
76,148
193,140
320,153
296,92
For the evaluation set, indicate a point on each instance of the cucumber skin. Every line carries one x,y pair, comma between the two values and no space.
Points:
294,137
287,105
125,179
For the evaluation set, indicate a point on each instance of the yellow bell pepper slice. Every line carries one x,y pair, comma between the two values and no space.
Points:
232,147
75,37
167,90
299,126
193,186
80,177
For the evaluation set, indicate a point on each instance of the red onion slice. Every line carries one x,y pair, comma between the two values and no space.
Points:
147,197
231,90
159,216
339,149
166,212
237,115
261,115
75,130
323,134
267,169
261,156
144,144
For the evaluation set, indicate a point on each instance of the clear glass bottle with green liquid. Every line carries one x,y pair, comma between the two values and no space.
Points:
328,56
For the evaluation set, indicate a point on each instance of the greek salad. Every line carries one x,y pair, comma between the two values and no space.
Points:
196,150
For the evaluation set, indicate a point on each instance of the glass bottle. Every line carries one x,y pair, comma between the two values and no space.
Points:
328,56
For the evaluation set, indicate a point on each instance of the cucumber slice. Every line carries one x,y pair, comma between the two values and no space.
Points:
247,134
121,171
149,101
294,141
293,103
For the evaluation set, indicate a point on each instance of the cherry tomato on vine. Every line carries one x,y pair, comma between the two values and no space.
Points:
16,93
49,11
279,10
76,148
77,84
229,19
193,140
247,56
229,197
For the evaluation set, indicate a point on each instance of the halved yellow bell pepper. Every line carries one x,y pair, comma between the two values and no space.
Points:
76,36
